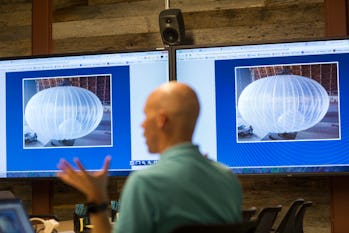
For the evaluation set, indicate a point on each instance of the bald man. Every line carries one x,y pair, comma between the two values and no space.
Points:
183,187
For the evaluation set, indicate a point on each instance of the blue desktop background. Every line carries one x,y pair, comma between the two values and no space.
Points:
285,156
46,159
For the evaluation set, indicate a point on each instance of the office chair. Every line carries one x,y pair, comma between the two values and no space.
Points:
266,219
300,216
6,194
247,214
288,222
244,227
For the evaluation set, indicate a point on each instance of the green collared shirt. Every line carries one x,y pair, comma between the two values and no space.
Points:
183,187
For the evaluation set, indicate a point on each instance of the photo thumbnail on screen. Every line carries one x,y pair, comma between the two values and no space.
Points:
67,112
287,102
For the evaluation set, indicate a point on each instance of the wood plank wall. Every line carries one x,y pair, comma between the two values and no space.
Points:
103,25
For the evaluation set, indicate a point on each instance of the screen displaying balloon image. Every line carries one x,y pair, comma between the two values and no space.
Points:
287,102
272,108
72,111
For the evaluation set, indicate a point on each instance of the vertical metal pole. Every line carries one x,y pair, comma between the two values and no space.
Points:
167,4
172,62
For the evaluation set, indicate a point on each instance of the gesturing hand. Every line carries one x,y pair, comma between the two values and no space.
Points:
92,184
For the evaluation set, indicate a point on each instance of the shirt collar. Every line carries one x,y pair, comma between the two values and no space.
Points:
174,150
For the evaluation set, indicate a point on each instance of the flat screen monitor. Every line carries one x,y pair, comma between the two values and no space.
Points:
86,106
13,217
273,108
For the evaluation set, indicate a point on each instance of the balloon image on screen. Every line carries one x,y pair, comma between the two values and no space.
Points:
279,107
61,115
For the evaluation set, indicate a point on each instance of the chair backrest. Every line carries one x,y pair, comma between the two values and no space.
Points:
300,216
247,214
6,194
266,218
244,227
288,222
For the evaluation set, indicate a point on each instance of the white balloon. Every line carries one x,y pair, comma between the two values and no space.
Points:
63,113
283,104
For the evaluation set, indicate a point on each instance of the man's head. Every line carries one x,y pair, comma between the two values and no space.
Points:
171,112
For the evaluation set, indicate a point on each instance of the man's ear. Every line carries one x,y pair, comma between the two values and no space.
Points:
162,119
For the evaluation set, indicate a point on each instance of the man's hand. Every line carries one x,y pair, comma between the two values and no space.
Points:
92,184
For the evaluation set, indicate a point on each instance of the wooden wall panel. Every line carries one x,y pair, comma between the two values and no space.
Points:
337,24
15,28
42,191
67,4
119,26
336,18
93,2
108,43
149,7
104,27
20,16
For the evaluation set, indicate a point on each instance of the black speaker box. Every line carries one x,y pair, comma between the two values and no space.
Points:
172,27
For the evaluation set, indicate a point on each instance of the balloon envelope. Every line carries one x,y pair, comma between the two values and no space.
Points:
283,104
63,112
